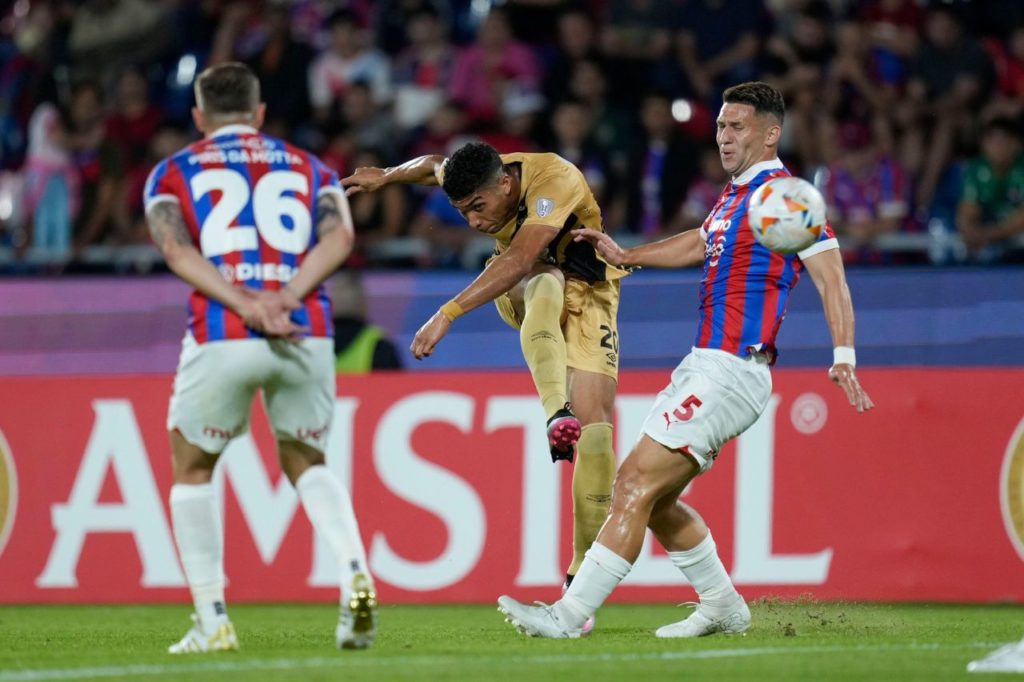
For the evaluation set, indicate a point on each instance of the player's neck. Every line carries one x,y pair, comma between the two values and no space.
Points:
213,126
743,176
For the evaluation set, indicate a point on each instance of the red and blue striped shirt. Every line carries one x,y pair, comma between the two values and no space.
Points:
249,202
745,287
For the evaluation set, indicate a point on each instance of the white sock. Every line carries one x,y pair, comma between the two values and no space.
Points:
705,571
329,509
200,540
601,571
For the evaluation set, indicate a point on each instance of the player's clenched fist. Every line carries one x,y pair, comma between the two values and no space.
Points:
367,179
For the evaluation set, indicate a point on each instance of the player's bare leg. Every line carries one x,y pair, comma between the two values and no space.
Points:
329,509
683,533
539,301
200,541
646,492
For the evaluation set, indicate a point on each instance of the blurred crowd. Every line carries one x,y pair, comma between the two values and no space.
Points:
907,114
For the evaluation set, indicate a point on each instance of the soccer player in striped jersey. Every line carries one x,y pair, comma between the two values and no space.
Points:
717,391
254,225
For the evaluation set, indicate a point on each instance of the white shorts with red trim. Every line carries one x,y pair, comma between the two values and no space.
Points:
713,396
216,382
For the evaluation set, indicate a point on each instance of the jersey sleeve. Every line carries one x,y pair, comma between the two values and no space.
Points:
826,241
327,179
553,197
163,184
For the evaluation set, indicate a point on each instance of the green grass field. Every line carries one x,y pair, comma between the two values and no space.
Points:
789,641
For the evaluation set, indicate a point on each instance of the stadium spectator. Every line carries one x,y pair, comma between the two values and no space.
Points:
867,192
392,21
51,183
577,40
376,216
359,347
662,167
991,209
366,124
423,70
613,126
572,126
496,61
132,125
636,37
346,61
949,76
107,34
101,171
718,43
282,65
1008,61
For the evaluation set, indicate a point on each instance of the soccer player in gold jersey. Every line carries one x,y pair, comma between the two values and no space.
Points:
559,293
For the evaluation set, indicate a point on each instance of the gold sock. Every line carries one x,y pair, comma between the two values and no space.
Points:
592,480
542,341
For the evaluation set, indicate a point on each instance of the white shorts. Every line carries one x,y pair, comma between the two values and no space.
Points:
713,396
216,381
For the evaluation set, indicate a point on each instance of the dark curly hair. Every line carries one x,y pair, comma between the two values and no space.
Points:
471,167
763,97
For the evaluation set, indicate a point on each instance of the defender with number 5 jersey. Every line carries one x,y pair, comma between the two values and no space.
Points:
248,201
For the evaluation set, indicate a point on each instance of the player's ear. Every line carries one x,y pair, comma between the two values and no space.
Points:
772,137
197,118
259,115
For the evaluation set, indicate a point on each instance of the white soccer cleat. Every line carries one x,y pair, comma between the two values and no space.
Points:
197,641
736,622
588,624
536,621
1007,659
357,624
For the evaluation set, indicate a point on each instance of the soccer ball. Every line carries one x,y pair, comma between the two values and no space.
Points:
786,214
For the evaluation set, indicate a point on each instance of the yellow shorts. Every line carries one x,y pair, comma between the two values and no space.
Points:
590,327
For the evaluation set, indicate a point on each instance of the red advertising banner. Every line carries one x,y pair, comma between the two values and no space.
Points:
458,501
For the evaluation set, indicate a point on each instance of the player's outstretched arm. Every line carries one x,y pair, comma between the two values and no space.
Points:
419,171
335,238
169,233
683,250
826,270
503,273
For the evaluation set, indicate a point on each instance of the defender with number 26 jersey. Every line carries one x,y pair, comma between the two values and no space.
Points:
745,288
248,201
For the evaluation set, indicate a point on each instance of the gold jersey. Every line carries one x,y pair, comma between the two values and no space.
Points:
555,193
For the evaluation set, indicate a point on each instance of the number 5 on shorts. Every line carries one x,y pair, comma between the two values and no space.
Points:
684,412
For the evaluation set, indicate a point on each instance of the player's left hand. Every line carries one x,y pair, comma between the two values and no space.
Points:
429,335
844,375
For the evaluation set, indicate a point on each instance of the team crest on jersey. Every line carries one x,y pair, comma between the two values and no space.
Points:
544,207
8,492
1011,489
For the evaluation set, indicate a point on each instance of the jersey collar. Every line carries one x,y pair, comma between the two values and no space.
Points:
234,129
758,167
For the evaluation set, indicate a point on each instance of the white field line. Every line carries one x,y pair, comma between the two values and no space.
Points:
225,664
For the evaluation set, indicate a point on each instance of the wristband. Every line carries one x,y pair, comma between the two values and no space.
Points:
844,355
452,310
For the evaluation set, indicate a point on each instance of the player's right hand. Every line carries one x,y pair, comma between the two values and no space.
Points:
843,375
605,245
368,179
268,312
